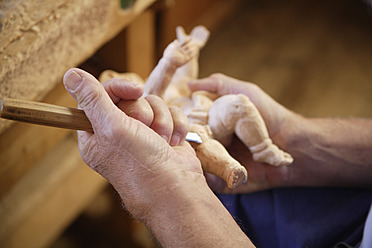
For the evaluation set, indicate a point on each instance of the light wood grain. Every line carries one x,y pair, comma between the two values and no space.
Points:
23,145
39,207
44,114
44,184
35,58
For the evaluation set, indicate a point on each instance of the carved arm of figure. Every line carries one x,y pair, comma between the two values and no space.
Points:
175,55
169,79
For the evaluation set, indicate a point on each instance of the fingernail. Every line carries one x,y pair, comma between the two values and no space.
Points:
72,80
175,141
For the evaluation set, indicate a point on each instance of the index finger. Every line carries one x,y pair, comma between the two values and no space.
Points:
211,84
121,89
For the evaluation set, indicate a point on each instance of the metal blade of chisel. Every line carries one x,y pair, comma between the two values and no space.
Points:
193,137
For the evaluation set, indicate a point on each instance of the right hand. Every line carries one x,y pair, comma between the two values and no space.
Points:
278,120
135,157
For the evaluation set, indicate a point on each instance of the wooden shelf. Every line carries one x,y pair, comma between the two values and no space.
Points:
44,184
48,198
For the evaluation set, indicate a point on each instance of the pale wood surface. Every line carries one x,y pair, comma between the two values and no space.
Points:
44,184
22,145
39,207
43,43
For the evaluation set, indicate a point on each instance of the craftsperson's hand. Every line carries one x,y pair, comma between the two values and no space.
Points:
278,120
135,156
178,53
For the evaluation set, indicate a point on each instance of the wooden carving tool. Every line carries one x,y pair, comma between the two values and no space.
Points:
54,116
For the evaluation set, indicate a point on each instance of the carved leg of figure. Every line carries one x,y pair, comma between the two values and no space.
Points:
216,160
236,113
265,151
269,153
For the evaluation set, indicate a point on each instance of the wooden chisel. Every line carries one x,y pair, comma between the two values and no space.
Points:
54,116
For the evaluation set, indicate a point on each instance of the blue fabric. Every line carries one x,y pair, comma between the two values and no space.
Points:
367,233
301,217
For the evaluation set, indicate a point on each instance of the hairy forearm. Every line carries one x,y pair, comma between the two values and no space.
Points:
191,216
160,78
331,152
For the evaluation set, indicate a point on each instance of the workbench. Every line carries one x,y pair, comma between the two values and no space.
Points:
44,184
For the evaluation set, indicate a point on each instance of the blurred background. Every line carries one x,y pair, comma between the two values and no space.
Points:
313,57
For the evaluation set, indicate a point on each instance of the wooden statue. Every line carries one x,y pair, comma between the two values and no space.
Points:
215,118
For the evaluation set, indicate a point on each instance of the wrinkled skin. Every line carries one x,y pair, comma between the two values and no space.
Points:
137,154
277,119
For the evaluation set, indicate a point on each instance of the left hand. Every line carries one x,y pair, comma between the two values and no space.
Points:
279,121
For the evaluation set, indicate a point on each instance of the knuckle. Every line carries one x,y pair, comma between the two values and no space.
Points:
219,78
161,124
153,98
176,110
179,117
217,75
253,87
89,98
143,113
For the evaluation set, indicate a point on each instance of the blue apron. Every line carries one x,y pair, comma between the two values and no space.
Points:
301,217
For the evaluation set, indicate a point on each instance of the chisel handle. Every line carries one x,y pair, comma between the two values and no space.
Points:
44,114
54,116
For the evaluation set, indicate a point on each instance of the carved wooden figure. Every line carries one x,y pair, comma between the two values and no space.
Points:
215,118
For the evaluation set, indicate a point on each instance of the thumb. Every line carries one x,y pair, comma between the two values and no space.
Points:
223,85
91,97
208,84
